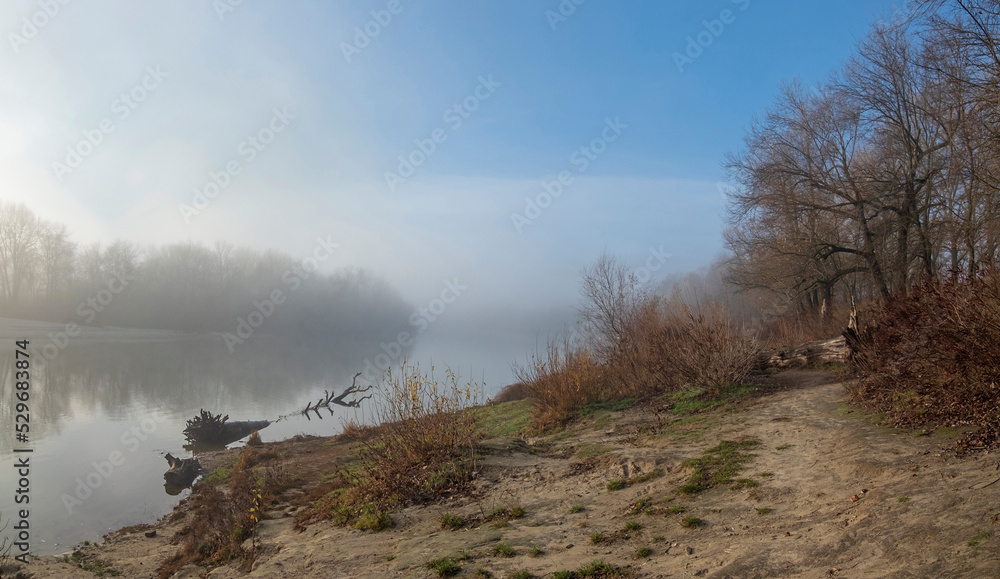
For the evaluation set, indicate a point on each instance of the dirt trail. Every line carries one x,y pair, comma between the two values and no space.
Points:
917,506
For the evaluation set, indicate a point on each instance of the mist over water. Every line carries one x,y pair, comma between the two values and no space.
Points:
131,391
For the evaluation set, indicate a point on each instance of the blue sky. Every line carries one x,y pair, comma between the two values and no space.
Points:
553,88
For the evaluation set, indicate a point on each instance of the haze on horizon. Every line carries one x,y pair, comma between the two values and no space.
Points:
498,146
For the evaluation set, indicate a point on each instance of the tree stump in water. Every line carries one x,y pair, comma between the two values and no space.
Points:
182,471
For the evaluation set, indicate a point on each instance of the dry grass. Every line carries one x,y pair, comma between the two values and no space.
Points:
422,448
560,383
932,357
663,346
224,518
254,439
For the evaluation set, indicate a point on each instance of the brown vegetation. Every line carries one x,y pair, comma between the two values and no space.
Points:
931,358
421,448
223,519
639,345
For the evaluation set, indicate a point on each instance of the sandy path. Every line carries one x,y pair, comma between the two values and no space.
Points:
920,506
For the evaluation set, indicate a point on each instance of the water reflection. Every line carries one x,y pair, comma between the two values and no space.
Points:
107,409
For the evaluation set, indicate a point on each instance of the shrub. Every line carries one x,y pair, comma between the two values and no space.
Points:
221,521
450,521
560,383
423,444
254,439
637,345
445,567
931,357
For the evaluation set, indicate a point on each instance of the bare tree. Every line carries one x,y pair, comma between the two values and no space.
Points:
56,252
19,237
612,294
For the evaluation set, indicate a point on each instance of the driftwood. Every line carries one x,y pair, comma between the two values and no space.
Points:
329,398
212,429
182,471
833,351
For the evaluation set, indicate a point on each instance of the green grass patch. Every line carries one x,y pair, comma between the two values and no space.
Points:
598,568
643,552
641,506
577,509
444,567
718,465
218,476
591,450
505,420
617,484
596,538
606,406
763,511
676,509
697,400
535,551
503,550
744,483
95,566
690,488
690,522
980,537
373,521
633,526
451,521
902,499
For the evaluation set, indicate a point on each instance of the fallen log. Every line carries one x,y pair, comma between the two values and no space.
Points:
835,351
182,471
213,429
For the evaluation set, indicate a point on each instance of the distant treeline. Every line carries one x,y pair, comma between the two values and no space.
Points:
184,286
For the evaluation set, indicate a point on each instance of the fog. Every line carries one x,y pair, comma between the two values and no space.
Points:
487,146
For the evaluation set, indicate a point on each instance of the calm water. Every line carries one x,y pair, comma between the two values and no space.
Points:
124,396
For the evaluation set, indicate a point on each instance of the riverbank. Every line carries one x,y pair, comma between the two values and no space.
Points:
819,489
